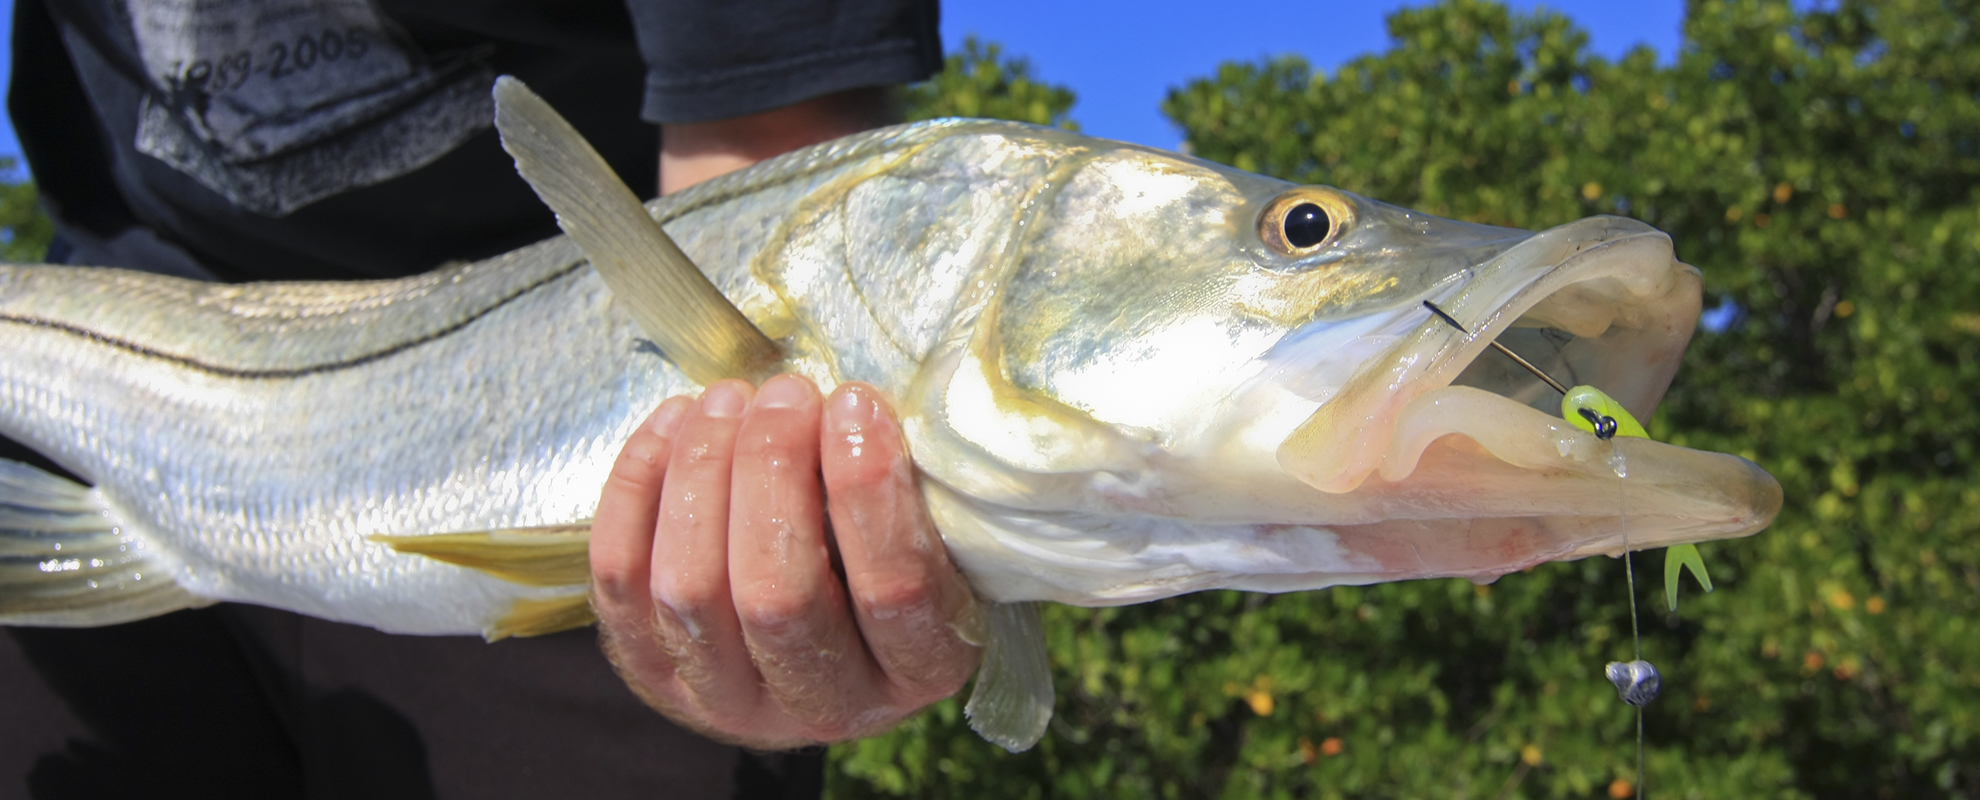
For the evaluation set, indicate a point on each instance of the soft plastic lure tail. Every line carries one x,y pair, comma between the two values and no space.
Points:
1585,407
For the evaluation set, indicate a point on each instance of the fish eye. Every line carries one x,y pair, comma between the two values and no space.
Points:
1307,225
1304,220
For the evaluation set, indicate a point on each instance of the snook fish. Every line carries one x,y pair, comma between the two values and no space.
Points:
1125,374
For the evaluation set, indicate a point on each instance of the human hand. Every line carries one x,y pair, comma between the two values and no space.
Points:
718,593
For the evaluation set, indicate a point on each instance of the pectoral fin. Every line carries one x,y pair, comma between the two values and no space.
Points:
528,617
547,556
1012,702
553,555
676,305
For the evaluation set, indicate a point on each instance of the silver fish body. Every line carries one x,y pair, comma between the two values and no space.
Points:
250,437
1117,383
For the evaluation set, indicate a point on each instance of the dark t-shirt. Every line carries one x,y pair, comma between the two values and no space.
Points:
226,129
339,140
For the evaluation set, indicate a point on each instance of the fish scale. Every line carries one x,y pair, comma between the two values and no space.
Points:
260,487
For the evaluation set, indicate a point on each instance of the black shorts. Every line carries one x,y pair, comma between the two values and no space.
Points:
242,701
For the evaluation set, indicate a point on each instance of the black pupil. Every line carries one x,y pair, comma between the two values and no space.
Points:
1306,225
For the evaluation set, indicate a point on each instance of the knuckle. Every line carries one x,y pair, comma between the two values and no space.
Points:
612,580
641,452
627,481
645,668
925,676
689,598
634,464
702,457
639,462
941,684
775,611
830,730
876,501
852,721
724,718
923,655
863,481
906,598
772,446
869,471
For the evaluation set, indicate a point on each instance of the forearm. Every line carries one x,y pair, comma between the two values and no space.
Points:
697,151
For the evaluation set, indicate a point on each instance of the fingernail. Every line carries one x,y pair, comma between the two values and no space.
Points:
784,391
853,408
723,400
667,419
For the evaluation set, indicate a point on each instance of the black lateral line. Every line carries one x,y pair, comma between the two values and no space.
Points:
289,372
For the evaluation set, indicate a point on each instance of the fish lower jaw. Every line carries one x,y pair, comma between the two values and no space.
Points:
1463,453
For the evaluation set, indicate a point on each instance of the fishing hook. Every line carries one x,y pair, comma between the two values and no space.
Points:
1605,425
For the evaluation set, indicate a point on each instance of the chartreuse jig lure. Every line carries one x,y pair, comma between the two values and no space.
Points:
1584,406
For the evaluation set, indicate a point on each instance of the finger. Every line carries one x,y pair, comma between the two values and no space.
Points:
793,611
694,618
908,596
622,530
622,543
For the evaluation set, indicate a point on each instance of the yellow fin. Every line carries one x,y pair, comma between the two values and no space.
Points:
554,555
530,617
675,304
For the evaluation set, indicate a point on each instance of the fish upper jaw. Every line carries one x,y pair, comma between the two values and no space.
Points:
1437,428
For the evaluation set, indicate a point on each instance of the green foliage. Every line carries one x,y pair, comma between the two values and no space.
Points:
981,82
24,227
1822,166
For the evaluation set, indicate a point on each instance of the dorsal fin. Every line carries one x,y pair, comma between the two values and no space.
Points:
679,308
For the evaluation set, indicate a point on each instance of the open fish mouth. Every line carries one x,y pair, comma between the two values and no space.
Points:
1476,442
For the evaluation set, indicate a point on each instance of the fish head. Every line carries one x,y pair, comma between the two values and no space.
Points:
1188,377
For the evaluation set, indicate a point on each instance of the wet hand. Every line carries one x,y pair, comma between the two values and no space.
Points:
729,603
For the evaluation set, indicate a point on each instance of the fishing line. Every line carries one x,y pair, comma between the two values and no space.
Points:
1501,348
1629,570
1637,681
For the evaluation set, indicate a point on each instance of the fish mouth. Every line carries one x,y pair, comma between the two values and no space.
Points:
1474,440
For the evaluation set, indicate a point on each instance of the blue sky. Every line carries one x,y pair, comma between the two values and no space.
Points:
1121,58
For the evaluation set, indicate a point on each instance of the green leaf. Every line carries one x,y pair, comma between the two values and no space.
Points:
25,229
981,81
